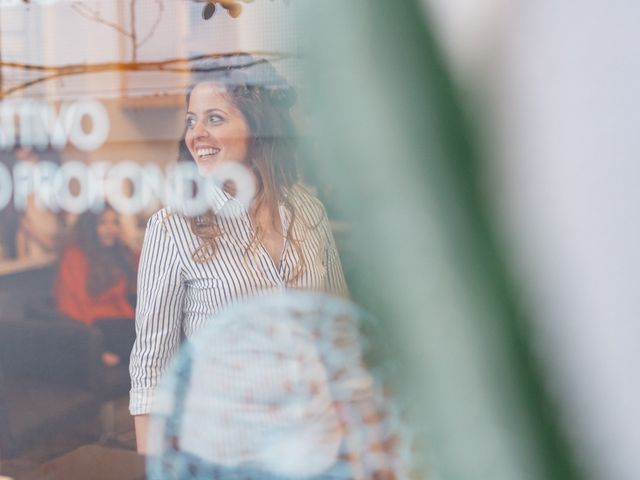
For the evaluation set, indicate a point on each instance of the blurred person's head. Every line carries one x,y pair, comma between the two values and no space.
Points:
10,215
30,154
98,235
108,228
273,389
97,231
26,154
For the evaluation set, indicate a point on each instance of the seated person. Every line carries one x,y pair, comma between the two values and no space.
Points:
96,282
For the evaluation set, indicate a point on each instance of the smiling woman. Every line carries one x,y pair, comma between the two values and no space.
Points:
194,266
217,131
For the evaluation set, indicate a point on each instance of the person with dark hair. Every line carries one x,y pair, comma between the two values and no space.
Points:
193,266
29,231
96,281
41,230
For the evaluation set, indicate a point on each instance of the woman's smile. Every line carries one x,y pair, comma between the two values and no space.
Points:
204,153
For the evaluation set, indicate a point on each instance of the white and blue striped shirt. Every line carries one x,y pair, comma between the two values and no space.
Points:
178,295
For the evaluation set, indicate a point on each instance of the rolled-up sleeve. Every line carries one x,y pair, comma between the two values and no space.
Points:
336,283
158,313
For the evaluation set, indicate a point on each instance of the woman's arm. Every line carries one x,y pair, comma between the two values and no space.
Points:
141,423
158,318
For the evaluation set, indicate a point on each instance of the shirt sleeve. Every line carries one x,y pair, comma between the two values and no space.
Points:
158,313
335,282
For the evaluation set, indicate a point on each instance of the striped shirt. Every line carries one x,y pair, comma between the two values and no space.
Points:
177,296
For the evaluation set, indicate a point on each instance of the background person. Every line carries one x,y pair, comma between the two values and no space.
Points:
9,216
96,282
30,231
41,231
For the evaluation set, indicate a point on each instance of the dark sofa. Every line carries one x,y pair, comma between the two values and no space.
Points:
50,379
51,374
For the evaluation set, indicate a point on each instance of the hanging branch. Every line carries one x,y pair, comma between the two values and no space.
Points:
154,27
52,72
94,15
132,35
174,65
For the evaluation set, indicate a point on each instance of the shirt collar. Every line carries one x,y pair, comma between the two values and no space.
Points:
217,198
223,204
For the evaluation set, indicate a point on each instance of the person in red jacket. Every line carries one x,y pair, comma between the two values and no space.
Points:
96,282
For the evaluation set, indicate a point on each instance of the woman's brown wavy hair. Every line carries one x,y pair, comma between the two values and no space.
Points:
265,100
106,264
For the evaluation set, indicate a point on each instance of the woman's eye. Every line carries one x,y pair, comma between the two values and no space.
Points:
191,122
215,118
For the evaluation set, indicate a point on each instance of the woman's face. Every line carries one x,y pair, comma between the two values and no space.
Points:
217,131
108,228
